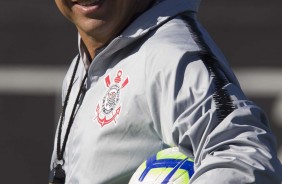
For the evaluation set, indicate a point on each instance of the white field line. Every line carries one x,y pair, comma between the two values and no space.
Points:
31,80
48,80
260,82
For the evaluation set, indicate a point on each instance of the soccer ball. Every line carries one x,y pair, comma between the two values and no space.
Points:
168,166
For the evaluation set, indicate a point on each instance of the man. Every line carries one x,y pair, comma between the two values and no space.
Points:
148,77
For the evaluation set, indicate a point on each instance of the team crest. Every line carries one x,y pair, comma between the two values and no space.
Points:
109,110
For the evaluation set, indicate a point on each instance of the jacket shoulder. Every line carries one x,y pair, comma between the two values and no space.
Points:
172,37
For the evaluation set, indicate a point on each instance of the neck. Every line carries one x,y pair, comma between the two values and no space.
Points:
91,44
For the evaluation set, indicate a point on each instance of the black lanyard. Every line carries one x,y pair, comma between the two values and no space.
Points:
57,175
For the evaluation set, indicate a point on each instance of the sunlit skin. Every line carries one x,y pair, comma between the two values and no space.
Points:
100,22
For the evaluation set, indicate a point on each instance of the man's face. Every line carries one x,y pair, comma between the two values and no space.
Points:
101,19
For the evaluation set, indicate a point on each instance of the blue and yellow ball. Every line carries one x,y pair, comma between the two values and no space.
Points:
168,166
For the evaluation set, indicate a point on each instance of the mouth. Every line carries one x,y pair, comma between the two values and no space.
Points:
87,3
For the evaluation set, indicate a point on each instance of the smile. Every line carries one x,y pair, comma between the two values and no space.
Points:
87,2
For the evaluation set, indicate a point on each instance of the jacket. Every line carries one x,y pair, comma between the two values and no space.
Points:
163,82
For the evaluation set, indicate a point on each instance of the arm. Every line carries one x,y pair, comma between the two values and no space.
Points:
236,146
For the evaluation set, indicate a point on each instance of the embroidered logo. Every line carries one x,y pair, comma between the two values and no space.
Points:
110,108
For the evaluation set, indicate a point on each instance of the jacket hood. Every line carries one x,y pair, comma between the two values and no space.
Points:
158,14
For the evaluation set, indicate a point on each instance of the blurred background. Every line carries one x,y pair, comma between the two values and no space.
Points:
37,45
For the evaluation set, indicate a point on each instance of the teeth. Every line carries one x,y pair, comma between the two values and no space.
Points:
88,3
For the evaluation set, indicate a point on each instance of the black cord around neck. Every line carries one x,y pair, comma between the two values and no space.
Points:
61,150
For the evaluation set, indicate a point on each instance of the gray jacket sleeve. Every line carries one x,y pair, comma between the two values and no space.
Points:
228,145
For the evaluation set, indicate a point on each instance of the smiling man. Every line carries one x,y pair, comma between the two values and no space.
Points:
148,77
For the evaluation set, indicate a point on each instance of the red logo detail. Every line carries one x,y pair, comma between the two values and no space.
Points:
110,105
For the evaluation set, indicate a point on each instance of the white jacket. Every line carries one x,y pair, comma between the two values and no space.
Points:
161,83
